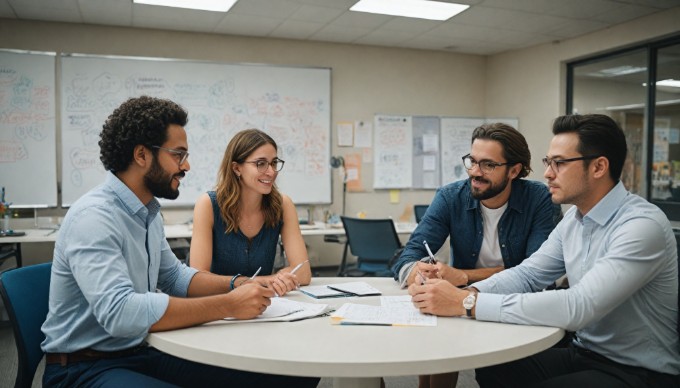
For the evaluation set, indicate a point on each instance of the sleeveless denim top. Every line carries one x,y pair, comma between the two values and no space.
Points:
234,253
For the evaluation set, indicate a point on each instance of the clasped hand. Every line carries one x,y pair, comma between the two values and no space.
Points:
437,297
438,271
281,282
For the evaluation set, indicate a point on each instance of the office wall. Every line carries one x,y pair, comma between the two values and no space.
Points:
531,83
365,80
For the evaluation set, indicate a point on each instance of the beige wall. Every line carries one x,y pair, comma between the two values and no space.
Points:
528,83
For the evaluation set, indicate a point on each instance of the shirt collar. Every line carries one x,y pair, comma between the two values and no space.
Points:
607,206
130,200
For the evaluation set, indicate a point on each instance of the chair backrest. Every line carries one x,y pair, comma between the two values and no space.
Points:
419,211
371,240
25,293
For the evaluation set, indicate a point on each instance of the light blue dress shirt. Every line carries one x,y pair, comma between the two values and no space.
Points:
621,261
110,259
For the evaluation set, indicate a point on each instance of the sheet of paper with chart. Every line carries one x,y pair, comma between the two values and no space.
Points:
393,311
286,310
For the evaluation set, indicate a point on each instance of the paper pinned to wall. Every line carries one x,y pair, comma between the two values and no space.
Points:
393,152
363,134
345,134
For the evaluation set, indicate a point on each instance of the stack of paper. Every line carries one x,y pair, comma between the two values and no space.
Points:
393,311
286,310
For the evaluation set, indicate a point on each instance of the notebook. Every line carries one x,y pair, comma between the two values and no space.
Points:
319,292
355,288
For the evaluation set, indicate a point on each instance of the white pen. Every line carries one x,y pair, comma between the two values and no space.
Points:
255,274
297,267
429,252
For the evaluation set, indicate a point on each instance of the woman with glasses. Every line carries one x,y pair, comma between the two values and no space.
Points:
237,226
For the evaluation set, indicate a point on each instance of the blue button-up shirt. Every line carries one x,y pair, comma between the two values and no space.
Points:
525,224
622,264
109,260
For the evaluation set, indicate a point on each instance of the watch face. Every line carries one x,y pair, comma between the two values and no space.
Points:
469,302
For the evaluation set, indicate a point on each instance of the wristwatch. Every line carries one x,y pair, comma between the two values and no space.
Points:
469,303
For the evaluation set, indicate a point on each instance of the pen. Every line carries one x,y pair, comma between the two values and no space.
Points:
297,267
429,252
255,274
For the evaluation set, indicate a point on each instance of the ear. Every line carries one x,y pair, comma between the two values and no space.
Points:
514,171
236,168
600,167
141,156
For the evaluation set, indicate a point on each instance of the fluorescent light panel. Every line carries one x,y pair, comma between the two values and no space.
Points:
669,82
422,9
204,5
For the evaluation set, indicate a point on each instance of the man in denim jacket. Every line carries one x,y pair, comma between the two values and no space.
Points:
494,218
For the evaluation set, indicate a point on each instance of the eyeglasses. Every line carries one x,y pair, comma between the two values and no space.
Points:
263,165
183,155
554,164
486,166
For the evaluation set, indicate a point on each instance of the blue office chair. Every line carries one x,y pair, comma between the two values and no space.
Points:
375,243
25,293
419,211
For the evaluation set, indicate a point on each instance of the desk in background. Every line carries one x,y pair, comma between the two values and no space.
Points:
355,356
175,231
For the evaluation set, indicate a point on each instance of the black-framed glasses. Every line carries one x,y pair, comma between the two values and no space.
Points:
183,155
262,165
486,166
554,164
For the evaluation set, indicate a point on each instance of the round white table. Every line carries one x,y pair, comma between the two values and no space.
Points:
355,356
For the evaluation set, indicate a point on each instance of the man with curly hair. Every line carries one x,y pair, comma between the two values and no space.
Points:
111,258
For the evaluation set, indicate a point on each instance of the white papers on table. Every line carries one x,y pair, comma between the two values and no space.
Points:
355,288
287,310
393,311
322,292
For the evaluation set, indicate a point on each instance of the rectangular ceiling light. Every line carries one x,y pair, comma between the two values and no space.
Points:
669,82
204,5
422,9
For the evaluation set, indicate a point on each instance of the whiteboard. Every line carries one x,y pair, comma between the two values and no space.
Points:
291,104
28,157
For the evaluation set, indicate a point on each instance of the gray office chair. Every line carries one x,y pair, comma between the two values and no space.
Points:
375,243
25,293
419,211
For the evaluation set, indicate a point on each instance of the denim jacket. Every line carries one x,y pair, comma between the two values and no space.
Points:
523,227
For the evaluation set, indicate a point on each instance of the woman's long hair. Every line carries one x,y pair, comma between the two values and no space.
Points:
228,189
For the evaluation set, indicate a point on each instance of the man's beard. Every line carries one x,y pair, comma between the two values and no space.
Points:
492,191
160,183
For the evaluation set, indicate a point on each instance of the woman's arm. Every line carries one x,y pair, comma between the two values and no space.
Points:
293,243
200,253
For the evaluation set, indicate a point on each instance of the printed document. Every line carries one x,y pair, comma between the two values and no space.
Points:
286,310
394,311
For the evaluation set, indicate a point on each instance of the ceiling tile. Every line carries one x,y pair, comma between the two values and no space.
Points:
583,9
340,34
533,6
409,24
577,28
625,13
485,17
6,11
247,25
172,18
265,8
55,10
111,12
294,29
360,20
312,13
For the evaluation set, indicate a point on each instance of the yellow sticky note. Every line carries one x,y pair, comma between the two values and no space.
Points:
394,196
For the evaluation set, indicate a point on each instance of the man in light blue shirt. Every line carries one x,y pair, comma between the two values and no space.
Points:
115,279
620,256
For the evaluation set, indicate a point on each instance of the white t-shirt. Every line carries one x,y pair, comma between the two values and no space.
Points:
490,252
